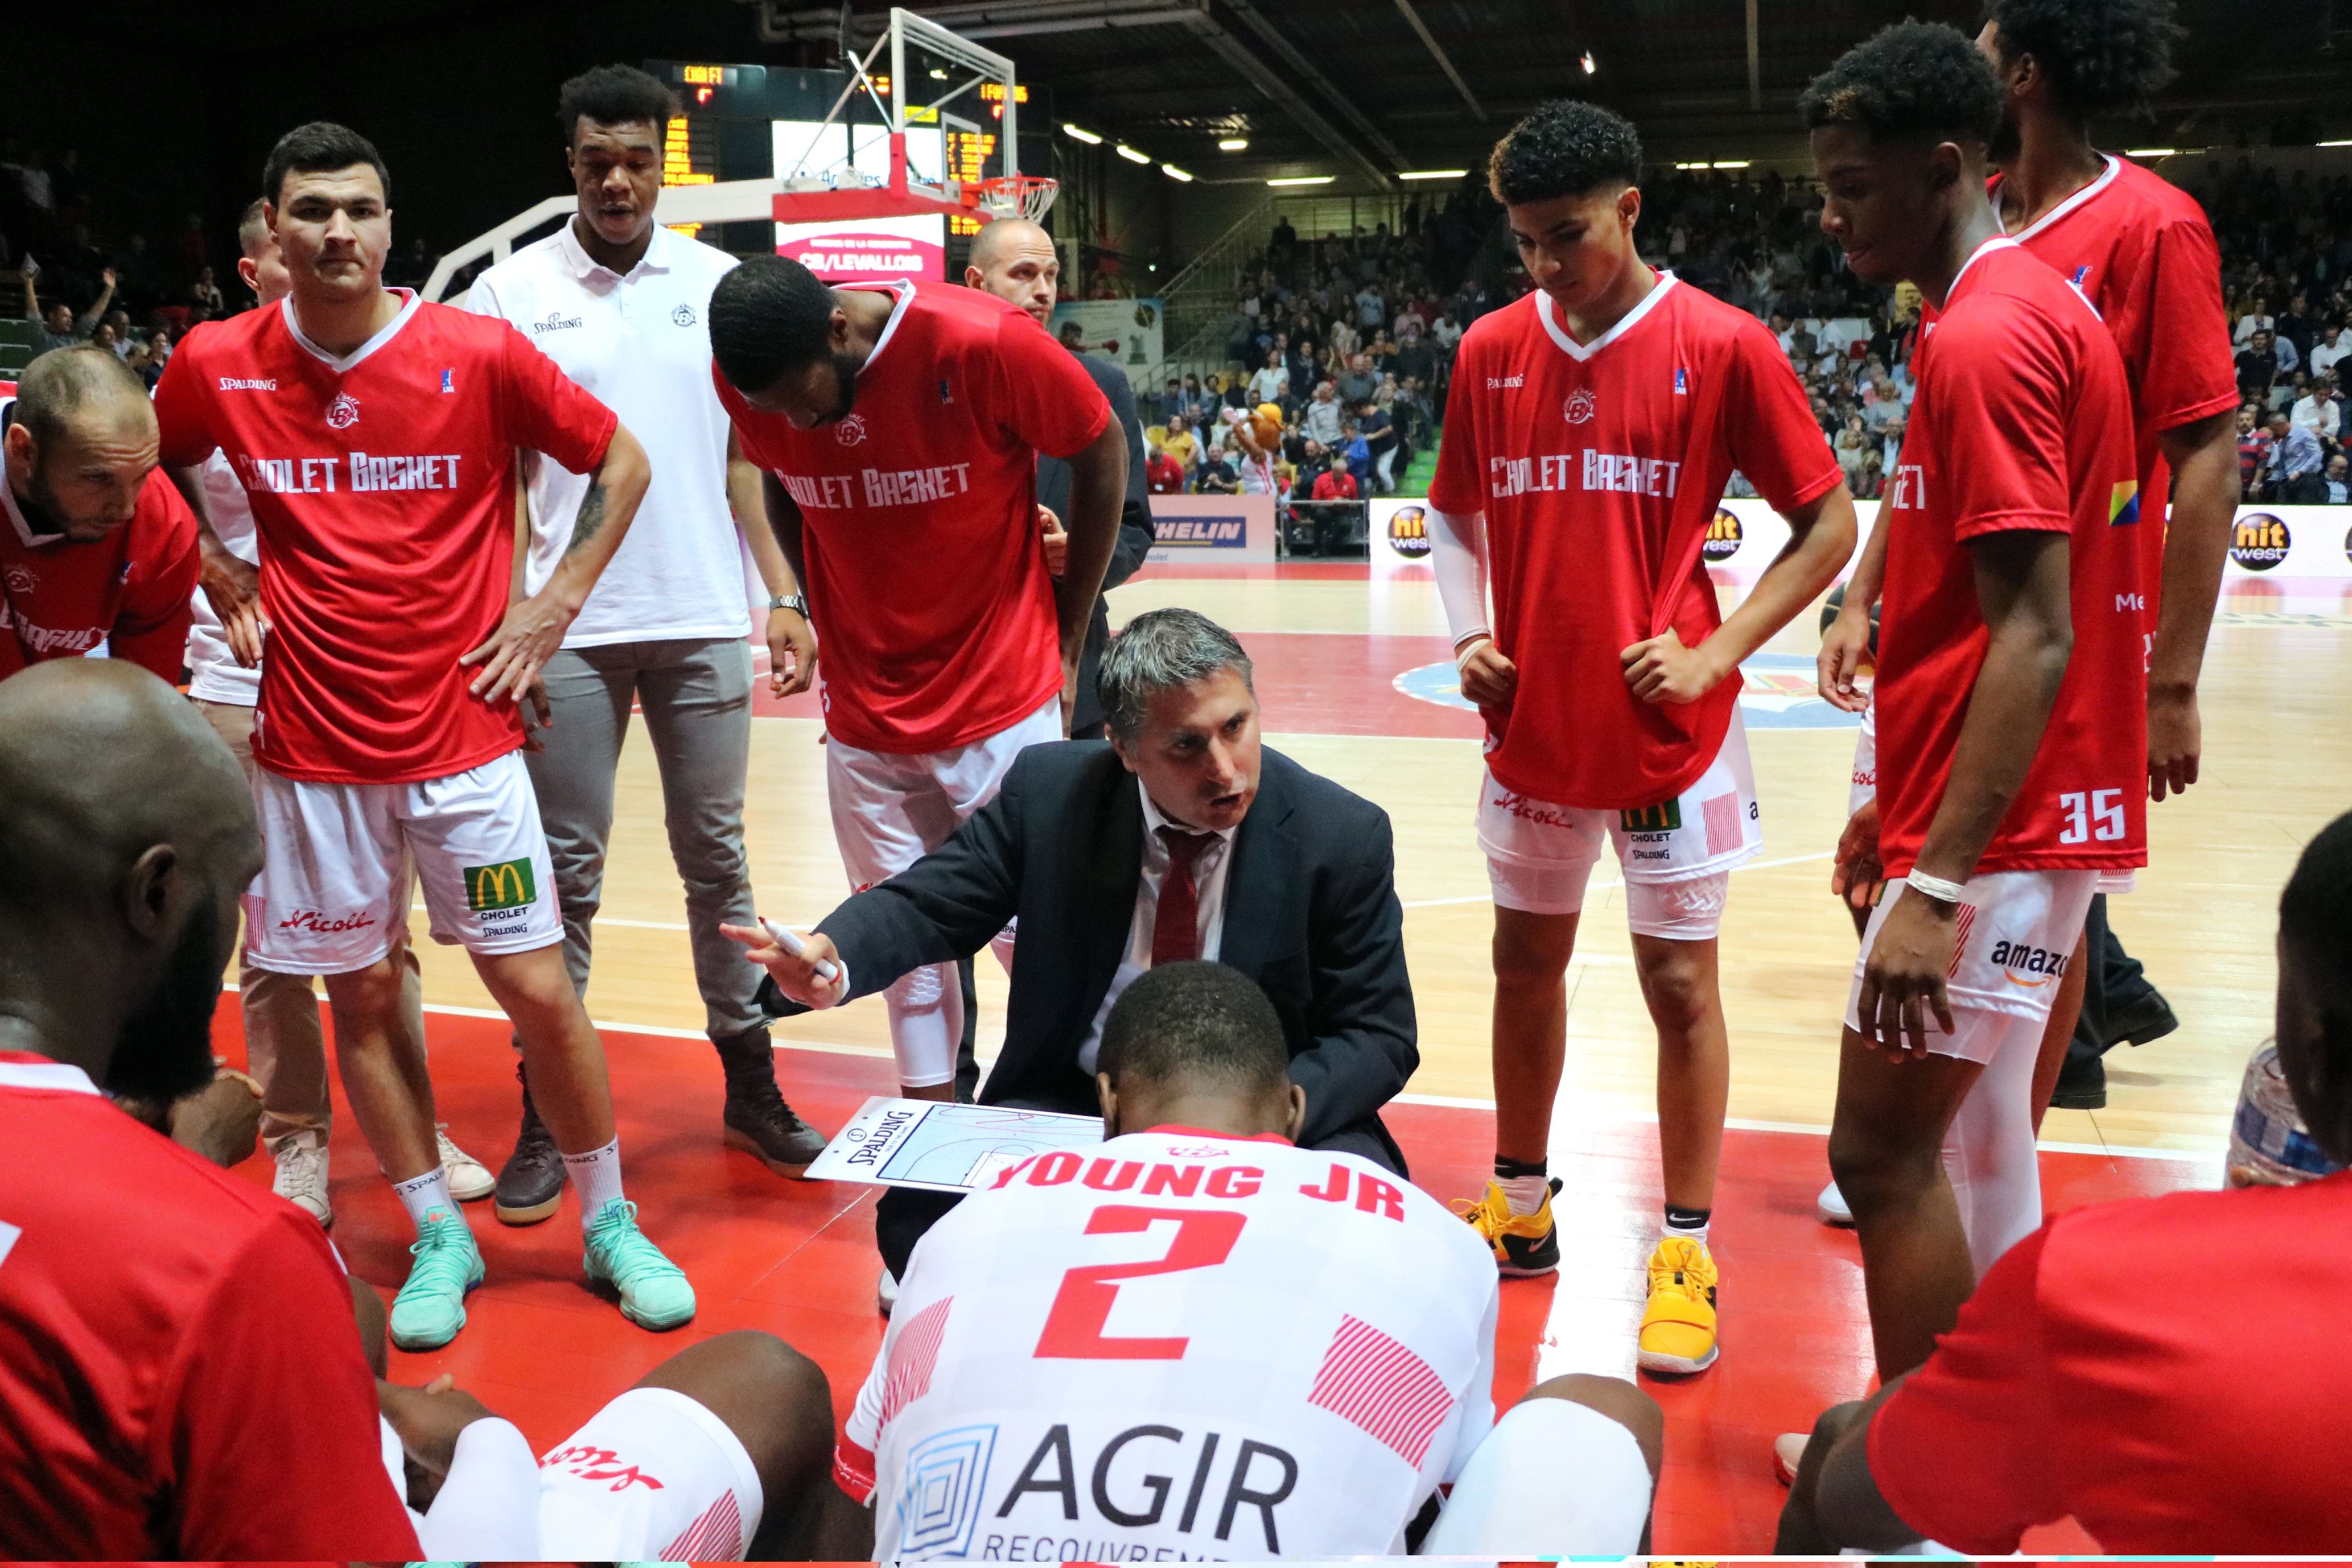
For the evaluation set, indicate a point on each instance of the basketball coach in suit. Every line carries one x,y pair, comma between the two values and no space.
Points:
1180,837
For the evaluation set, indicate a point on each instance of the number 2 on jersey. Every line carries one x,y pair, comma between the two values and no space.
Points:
1204,1239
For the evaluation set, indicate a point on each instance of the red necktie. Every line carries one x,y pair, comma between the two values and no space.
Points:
1176,928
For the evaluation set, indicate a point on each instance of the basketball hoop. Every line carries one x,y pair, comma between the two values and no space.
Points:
1012,196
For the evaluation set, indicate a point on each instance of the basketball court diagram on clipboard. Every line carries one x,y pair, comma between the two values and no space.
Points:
944,1147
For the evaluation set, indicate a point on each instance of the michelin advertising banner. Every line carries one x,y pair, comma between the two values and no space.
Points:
1130,333
1212,530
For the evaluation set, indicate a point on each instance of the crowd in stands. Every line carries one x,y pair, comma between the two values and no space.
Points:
84,282
2286,276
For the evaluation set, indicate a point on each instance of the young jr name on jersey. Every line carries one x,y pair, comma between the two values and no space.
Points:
379,567
1599,466
1184,1345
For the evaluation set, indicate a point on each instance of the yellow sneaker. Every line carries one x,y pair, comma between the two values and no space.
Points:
1523,1243
1678,1328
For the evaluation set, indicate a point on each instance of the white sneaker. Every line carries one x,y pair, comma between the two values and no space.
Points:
468,1178
885,1294
1832,1207
301,1178
1787,1453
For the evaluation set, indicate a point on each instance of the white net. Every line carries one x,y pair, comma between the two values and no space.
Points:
1017,196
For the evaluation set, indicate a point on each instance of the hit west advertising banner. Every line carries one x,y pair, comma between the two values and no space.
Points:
1127,332
1212,530
2302,544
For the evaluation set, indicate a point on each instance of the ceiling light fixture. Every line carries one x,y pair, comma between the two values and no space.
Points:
1306,180
1733,163
1173,172
2149,152
1131,155
1088,137
1432,173
1586,63
1235,144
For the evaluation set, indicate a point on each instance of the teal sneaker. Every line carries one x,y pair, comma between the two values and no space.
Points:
654,1292
431,1307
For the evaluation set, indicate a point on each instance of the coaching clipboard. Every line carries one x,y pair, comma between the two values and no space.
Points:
944,1147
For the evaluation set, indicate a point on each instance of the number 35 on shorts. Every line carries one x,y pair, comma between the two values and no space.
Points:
2095,814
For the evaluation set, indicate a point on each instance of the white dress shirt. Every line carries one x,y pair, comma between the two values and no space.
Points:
1210,868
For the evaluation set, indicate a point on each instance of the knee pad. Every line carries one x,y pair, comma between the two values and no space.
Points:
1690,910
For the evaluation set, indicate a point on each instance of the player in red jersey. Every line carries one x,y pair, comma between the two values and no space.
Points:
376,435
2012,760
1588,435
178,1374
98,548
900,427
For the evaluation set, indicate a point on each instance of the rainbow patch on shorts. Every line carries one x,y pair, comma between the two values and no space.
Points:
2123,504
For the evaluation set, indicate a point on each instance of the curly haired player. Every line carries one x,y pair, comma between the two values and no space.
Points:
1590,432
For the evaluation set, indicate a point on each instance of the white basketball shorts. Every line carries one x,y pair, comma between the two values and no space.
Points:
1676,855
1863,787
2018,930
654,1477
891,808
1553,1480
334,884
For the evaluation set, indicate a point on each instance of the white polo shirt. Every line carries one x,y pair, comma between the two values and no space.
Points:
214,673
642,345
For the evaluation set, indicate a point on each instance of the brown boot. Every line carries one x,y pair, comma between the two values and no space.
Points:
758,1121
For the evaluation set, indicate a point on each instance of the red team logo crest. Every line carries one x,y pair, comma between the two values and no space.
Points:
21,580
344,413
1581,406
850,431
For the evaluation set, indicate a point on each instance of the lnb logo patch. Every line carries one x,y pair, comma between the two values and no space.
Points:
2260,541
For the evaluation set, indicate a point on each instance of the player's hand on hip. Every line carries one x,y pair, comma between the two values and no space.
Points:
1836,666
528,635
795,974
232,587
1661,670
791,653
1902,978
2175,739
539,715
1855,873
1489,678
1057,541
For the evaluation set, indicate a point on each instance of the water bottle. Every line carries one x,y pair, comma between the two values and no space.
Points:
2269,1145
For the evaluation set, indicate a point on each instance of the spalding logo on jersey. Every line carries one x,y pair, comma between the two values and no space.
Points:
1581,406
344,413
850,431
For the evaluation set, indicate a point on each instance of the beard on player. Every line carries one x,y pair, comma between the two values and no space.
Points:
844,377
164,1049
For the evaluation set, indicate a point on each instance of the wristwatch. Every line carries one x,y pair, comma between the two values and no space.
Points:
791,601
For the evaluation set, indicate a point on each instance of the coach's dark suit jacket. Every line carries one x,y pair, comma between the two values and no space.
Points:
1311,914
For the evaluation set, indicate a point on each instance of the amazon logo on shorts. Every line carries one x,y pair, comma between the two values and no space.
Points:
508,884
2027,965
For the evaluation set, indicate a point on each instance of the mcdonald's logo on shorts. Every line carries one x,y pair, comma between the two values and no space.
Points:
505,885
1663,818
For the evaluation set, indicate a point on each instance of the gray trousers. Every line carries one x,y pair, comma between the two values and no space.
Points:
697,698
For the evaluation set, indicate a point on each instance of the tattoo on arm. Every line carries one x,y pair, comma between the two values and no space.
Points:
590,520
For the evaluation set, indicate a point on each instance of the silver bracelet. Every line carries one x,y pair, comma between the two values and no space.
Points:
1934,886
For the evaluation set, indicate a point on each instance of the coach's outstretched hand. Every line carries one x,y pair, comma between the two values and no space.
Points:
795,974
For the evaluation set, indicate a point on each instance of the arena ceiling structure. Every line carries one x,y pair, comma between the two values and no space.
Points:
1365,90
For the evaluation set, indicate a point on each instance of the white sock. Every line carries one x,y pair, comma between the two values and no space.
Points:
425,1196
1526,1192
597,1176
1693,1233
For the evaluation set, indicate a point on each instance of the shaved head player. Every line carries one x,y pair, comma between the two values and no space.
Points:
374,434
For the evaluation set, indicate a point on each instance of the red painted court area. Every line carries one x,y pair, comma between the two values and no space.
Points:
797,1258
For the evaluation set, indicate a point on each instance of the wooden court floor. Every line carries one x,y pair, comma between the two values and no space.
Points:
2278,752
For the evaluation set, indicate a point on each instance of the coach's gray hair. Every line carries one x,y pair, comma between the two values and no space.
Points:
1160,650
